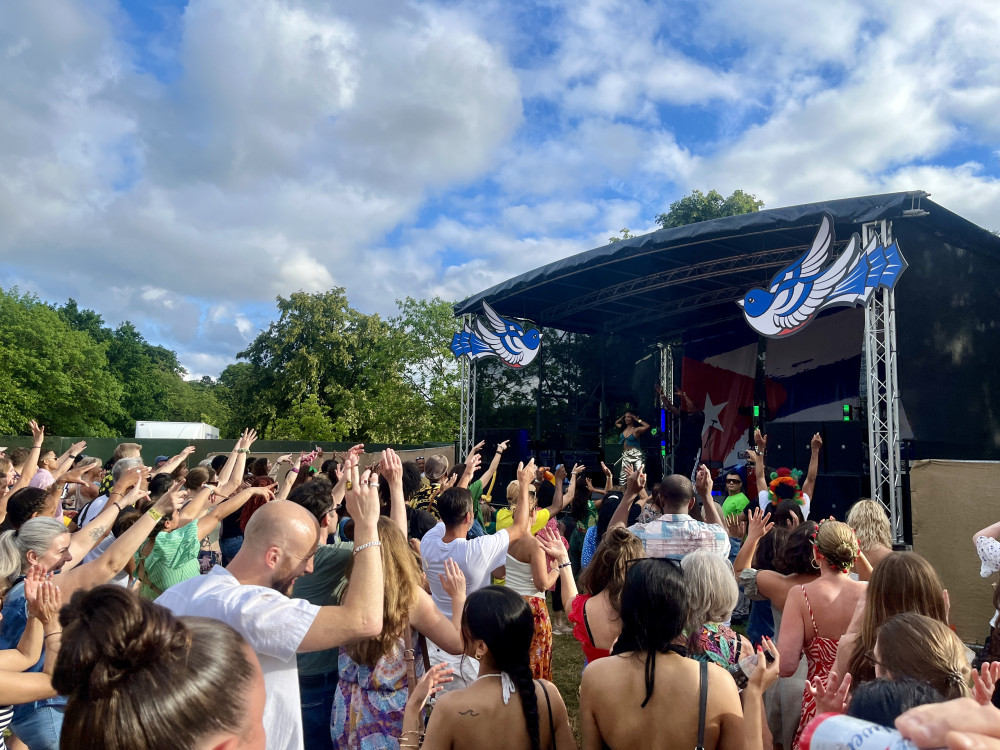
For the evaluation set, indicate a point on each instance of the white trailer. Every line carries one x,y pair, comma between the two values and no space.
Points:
181,430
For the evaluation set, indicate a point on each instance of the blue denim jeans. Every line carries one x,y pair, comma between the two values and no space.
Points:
316,692
230,546
41,728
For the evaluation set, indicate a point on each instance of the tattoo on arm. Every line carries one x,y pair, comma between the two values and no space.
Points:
470,712
98,532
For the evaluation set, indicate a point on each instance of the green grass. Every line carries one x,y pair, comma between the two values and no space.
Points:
567,666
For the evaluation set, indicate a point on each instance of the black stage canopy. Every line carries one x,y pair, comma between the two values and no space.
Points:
673,281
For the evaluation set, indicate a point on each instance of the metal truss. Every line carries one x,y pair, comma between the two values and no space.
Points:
694,272
881,361
467,425
667,383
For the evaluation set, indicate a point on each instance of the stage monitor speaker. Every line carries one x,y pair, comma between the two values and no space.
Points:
804,432
842,447
780,445
834,495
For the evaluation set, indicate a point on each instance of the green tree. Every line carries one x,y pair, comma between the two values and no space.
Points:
306,420
52,373
700,207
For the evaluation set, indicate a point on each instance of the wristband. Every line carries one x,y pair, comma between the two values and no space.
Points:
115,503
73,456
565,565
57,632
366,545
293,470
154,514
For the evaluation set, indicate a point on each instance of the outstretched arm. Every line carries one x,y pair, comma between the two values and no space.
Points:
815,445
636,481
492,468
703,485
173,463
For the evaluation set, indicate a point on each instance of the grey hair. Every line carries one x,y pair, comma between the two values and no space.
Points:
35,534
122,465
711,587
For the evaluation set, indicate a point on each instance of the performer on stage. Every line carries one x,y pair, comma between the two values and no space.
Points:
687,450
632,455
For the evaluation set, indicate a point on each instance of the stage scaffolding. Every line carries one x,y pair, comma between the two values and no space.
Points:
467,375
880,364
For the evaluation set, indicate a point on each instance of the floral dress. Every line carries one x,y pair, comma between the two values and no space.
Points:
368,706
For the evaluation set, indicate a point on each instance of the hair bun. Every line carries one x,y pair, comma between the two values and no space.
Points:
109,634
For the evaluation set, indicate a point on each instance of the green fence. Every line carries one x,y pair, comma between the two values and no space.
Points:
103,448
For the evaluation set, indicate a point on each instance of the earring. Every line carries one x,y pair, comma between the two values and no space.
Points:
477,656
815,563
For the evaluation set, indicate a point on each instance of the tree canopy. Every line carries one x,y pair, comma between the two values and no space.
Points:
701,207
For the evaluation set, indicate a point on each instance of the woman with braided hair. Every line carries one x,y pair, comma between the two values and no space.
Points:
504,707
817,614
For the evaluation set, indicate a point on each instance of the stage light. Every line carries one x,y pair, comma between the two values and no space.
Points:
653,431
756,411
848,409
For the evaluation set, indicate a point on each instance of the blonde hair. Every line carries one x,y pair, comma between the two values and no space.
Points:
711,586
837,543
870,522
514,494
402,578
924,649
127,450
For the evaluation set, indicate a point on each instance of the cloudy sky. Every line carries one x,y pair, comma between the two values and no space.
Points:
180,163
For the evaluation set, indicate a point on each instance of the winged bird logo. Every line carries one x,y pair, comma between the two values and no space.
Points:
503,338
800,291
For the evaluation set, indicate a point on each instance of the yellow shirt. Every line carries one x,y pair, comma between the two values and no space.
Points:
505,519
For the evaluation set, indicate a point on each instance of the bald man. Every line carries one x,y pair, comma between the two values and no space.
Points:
251,595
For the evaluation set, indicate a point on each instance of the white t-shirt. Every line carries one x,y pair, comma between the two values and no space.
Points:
476,557
763,498
272,624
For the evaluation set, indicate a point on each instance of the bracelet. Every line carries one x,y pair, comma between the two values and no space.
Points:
51,634
112,494
154,514
565,564
293,470
73,456
366,545
115,503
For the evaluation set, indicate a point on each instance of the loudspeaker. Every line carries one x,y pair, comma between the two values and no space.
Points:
842,448
834,495
780,445
804,432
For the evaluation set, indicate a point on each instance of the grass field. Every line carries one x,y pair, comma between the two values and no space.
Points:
567,666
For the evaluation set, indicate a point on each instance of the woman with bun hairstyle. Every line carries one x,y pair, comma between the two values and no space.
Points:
138,678
917,647
504,707
817,614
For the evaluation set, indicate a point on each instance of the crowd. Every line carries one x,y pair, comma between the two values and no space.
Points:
310,603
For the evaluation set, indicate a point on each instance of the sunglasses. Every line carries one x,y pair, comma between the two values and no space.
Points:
733,481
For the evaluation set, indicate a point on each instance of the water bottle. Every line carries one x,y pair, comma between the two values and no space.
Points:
842,732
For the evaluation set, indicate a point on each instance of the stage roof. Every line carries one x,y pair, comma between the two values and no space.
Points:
673,281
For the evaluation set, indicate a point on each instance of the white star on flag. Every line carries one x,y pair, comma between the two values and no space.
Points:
712,413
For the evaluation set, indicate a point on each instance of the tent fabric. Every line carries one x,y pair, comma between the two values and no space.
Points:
684,278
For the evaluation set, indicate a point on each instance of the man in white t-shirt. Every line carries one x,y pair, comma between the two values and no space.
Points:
785,491
252,595
476,557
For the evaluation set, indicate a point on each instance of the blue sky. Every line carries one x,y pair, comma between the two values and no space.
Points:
180,164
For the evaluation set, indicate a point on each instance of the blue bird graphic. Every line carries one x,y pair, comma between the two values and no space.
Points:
504,338
799,292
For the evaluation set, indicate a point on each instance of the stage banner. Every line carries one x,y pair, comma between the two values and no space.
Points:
812,375
718,374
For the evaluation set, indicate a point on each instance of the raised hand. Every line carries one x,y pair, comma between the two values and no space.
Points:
736,525
606,470
816,443
453,580
984,682
391,466
560,474
48,603
77,448
526,473
187,451
636,479
38,433
36,574
477,447
703,481
362,500
551,543
831,696
759,440
128,480
429,685
759,524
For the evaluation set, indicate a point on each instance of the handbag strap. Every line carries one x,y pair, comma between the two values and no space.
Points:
702,704
548,705
409,656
